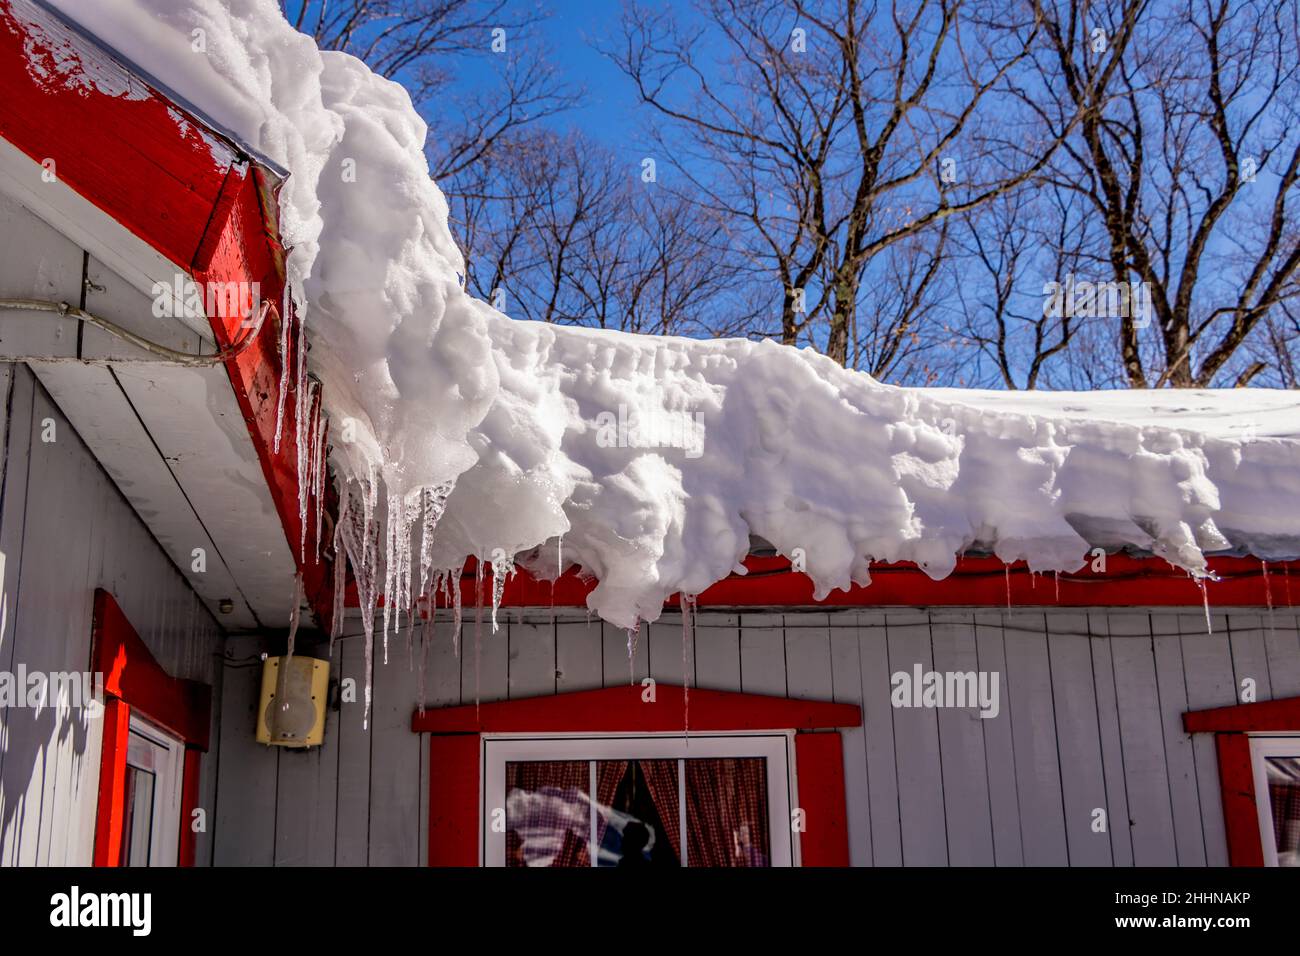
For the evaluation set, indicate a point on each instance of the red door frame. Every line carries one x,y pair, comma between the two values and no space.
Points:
456,751
1232,727
134,681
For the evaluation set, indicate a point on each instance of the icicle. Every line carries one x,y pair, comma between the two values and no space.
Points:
633,636
1057,575
286,317
306,451
478,628
688,628
322,426
453,585
360,540
1268,588
1006,569
1286,578
501,568
340,573
1205,599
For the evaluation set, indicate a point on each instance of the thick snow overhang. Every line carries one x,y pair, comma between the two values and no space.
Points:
95,157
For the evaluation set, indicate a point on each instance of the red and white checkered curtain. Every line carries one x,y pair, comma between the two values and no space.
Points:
661,779
726,812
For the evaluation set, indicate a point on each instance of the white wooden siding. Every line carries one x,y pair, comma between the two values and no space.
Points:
1090,718
64,531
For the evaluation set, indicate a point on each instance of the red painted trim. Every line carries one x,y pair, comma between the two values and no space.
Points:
622,709
131,674
112,784
1232,726
1265,716
189,803
454,774
977,581
819,759
133,680
186,190
1240,811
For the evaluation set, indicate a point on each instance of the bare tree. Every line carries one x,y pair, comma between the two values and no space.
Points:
835,130
1187,156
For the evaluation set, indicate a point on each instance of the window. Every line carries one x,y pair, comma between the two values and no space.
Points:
152,799
1275,762
649,800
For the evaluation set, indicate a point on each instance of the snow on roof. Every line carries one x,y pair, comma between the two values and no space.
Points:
650,461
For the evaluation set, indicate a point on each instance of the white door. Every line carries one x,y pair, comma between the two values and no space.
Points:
151,825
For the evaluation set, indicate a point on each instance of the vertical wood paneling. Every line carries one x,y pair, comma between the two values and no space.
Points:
1038,770
578,656
395,780
1142,739
961,747
846,688
878,721
1083,775
1249,655
531,658
916,748
306,812
244,829
352,828
717,651
1181,761
1112,749
999,745
1282,646
808,657
762,654
1207,666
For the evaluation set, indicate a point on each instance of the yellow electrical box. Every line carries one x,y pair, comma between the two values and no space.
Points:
291,709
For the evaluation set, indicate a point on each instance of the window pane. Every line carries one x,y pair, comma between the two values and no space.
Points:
1284,798
548,813
639,813
137,827
726,812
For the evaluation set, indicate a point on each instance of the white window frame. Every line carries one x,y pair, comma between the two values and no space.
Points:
776,747
152,749
1263,746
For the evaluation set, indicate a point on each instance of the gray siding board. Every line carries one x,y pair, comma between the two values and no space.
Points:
999,746
922,818
1112,750
395,780
1038,772
578,656
878,723
961,748
846,688
352,828
1179,757
1142,733
1078,734
246,807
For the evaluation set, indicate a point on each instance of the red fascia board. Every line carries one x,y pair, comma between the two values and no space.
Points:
624,709
978,581
1265,716
131,674
184,190
239,248
138,158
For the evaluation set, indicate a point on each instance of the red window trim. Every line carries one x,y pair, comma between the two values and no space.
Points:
1231,727
456,749
135,681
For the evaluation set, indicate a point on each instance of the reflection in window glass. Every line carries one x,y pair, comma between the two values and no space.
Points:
1284,799
639,814
137,825
548,813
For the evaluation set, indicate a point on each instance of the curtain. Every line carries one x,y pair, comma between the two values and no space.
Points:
661,780
726,812
609,774
548,819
